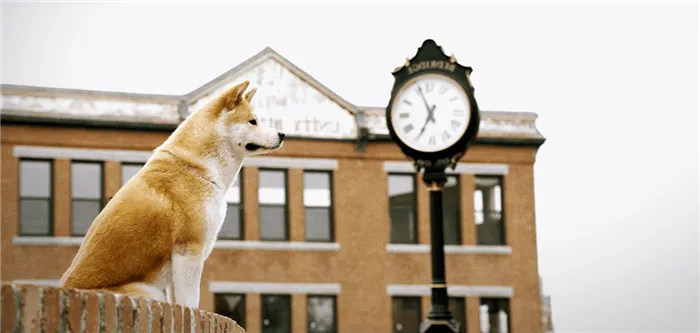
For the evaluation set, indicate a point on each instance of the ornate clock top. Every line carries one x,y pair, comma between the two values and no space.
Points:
432,114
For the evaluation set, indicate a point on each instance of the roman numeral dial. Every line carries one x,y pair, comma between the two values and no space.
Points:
430,113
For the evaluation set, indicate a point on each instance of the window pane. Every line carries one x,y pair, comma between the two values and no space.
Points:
231,229
273,223
276,314
35,179
83,212
86,180
272,187
478,207
451,212
272,178
34,217
232,306
456,305
272,196
400,185
402,225
488,214
318,224
233,195
129,171
494,315
317,180
317,189
407,314
317,198
402,201
321,314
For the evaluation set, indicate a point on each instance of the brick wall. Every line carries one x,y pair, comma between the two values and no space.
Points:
30,308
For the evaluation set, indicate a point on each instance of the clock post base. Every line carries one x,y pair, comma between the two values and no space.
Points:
441,326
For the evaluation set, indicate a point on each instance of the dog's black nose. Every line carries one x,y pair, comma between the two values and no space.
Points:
281,136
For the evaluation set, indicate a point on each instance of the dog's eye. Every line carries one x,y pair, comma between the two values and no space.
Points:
252,121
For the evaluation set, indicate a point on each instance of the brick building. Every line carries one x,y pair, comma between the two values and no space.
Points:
330,234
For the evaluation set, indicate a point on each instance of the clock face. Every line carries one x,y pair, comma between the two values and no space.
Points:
430,113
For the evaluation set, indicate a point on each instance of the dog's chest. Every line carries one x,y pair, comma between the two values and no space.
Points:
215,212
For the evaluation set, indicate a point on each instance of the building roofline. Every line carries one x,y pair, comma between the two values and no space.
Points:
68,92
492,113
265,54
169,127
142,110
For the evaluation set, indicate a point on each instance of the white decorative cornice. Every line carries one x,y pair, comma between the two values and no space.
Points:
86,105
494,124
288,98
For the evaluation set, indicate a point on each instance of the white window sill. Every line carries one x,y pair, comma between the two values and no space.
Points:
274,288
47,241
452,290
450,249
276,246
221,244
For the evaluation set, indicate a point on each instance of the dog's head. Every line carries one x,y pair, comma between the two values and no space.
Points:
235,121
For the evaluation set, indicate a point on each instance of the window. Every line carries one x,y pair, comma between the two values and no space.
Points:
35,206
321,314
488,210
276,314
407,314
458,311
272,197
402,209
451,215
232,306
494,315
130,170
86,194
233,222
317,206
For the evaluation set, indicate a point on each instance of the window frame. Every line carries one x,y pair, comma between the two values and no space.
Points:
287,233
463,300
50,199
502,302
331,208
502,222
393,315
416,223
241,207
262,307
121,170
335,310
244,300
460,240
102,200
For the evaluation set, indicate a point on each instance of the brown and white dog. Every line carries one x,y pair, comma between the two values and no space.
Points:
153,237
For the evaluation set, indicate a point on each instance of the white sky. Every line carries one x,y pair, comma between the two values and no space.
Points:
615,85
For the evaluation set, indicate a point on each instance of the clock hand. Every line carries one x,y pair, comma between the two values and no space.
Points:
423,97
430,110
430,116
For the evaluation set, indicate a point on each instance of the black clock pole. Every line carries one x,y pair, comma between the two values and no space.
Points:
439,318
431,64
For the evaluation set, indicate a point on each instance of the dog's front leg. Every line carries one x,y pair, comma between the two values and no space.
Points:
187,273
169,294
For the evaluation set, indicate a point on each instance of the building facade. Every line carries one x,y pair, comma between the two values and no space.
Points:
329,234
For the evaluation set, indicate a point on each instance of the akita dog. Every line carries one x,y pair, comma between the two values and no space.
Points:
152,238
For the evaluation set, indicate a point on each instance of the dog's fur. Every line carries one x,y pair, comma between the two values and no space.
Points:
152,238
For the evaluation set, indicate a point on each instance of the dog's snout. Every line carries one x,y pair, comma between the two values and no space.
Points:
281,136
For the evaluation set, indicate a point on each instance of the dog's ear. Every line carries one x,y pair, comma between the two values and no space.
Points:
233,96
249,95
